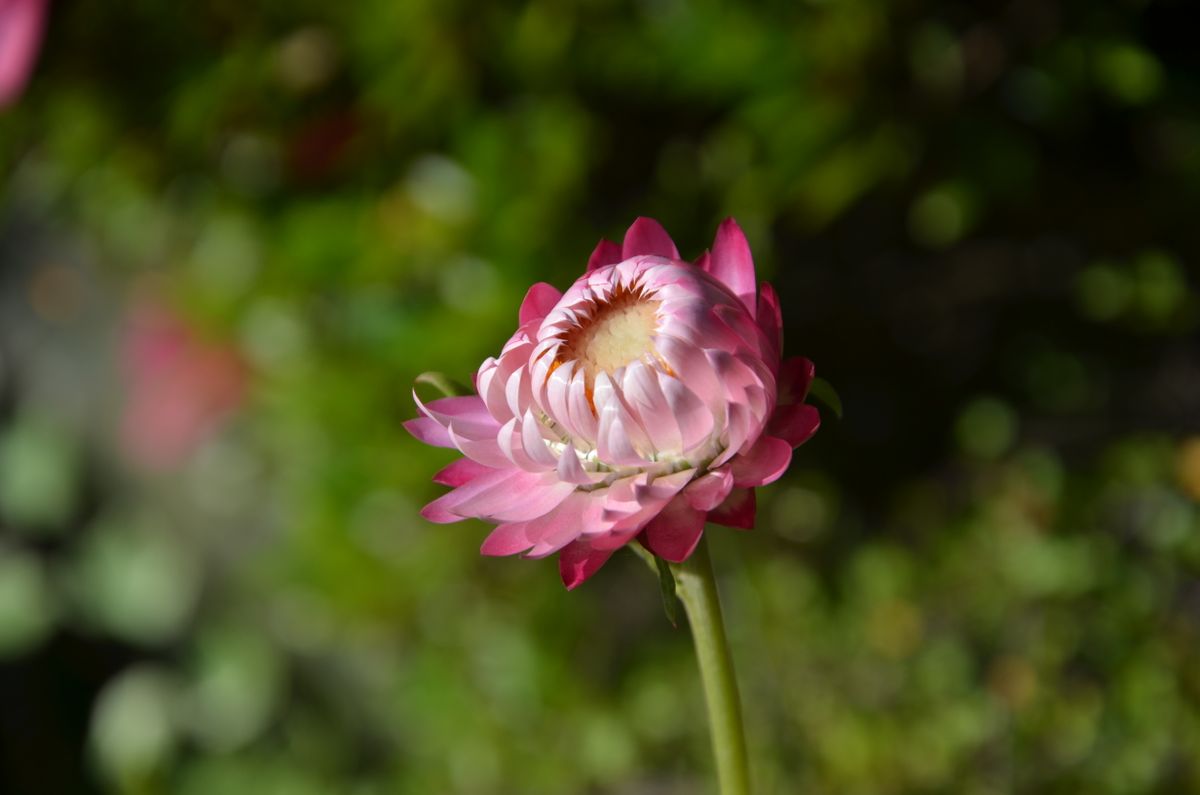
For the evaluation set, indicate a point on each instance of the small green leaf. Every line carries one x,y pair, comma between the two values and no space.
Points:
823,391
444,384
666,581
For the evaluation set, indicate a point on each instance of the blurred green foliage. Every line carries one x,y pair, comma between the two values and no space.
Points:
985,579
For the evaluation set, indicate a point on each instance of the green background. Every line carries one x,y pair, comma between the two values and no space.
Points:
982,222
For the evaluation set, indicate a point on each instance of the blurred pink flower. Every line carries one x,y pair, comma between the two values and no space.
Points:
178,388
646,400
20,36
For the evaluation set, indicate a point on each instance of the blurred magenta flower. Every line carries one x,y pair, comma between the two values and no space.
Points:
178,387
646,400
20,37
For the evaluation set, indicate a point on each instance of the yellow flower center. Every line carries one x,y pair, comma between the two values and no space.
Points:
618,333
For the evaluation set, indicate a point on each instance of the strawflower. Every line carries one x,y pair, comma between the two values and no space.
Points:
646,400
21,23
179,387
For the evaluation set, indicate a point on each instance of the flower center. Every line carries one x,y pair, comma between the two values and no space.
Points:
619,332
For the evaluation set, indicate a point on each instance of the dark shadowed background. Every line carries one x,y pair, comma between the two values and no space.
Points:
231,234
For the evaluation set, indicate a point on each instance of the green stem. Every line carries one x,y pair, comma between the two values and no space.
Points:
697,589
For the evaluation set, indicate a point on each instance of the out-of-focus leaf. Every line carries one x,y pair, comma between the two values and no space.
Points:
987,427
132,733
26,604
237,682
443,384
135,580
823,391
38,474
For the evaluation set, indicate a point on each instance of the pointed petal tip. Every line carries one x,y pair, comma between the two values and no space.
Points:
577,562
505,540
460,472
433,512
605,253
647,236
538,302
428,431
770,318
733,264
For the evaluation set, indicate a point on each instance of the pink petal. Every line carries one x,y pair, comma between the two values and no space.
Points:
579,408
646,236
570,469
518,392
739,432
441,510
613,444
619,536
486,451
709,490
795,424
464,406
741,374
708,330
688,411
507,539
557,395
438,513
675,419
577,562
21,24
674,533
632,502
465,416
533,441
763,463
795,377
693,367
747,331
732,263
770,318
429,432
503,384
620,497
538,302
579,512
737,511
512,444
489,381
620,437
460,472
704,261
649,405
520,499
605,253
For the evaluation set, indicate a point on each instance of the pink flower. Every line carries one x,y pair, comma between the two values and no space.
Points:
180,388
646,400
20,36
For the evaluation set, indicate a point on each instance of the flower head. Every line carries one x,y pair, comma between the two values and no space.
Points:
647,399
179,387
21,24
